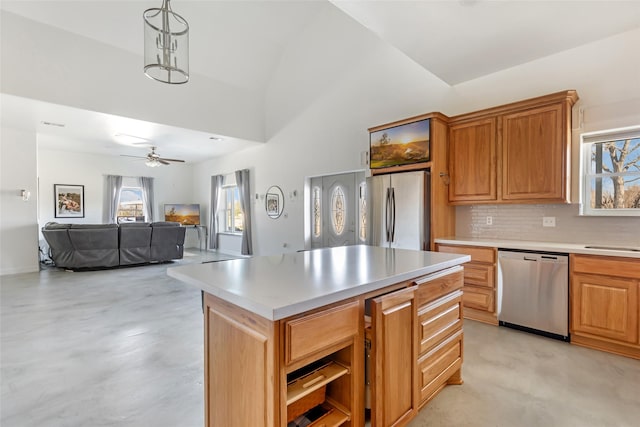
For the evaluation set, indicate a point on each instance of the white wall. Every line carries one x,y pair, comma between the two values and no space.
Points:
18,219
318,111
172,184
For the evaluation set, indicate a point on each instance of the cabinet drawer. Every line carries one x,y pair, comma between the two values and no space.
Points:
478,253
607,266
308,334
435,367
433,287
479,274
478,298
438,320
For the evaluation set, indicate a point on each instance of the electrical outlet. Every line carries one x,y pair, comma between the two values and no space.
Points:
548,221
489,220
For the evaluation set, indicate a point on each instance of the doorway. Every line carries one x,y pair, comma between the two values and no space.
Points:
335,212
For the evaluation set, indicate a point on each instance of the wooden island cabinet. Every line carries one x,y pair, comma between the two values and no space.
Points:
281,341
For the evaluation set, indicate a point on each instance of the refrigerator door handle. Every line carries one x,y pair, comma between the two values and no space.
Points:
393,216
386,214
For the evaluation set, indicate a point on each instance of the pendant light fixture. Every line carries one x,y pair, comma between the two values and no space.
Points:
166,45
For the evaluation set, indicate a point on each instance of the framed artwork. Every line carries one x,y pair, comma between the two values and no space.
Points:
400,145
274,202
69,200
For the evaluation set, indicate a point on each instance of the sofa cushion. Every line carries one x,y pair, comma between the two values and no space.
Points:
56,226
165,224
93,226
60,247
135,243
167,242
95,246
134,225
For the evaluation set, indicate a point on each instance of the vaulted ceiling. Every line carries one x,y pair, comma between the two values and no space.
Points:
240,43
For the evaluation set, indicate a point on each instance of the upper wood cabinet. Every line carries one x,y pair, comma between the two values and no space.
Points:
515,153
472,149
534,155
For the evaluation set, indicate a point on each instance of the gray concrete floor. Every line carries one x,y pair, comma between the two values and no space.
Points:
125,348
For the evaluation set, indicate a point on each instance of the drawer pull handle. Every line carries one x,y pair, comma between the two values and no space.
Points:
313,381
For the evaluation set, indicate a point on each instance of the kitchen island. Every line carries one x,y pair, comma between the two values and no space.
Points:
286,333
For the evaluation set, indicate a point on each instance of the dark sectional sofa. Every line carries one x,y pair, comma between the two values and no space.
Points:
77,246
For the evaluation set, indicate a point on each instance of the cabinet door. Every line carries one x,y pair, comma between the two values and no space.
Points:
472,161
606,307
239,349
534,154
394,355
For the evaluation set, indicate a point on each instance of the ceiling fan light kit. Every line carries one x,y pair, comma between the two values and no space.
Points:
166,45
152,163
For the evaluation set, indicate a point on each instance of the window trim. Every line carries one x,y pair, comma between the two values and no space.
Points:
586,142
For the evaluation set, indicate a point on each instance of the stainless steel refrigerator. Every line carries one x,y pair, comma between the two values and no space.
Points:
398,210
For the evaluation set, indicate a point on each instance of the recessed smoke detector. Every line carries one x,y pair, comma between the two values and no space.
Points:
60,125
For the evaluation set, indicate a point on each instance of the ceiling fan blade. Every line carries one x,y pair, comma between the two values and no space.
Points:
163,162
137,157
170,160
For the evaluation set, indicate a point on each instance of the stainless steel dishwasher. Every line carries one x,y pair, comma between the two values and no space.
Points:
533,292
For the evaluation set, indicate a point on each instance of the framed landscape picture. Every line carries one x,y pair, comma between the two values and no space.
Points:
69,200
400,145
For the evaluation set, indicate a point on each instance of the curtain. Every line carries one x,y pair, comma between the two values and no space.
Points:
242,181
146,184
216,189
112,198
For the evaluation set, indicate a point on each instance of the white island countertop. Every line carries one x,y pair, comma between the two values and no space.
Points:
602,249
284,285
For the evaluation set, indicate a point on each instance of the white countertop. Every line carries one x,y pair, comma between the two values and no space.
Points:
280,286
575,248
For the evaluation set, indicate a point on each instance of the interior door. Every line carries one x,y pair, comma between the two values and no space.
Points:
339,210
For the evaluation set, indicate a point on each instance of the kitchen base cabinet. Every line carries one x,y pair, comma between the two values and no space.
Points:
479,298
267,373
605,305
393,355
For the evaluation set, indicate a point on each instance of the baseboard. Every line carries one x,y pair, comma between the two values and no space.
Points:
20,270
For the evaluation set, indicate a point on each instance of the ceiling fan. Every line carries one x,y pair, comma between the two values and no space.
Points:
153,159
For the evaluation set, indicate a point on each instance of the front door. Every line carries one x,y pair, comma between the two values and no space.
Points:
335,209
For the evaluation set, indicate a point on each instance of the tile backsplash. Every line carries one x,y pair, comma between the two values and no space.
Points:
524,222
